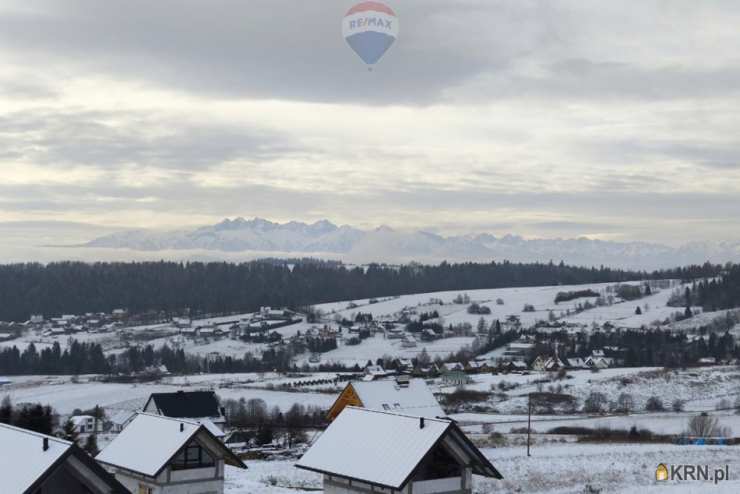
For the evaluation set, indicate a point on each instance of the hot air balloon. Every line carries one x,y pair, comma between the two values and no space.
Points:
370,29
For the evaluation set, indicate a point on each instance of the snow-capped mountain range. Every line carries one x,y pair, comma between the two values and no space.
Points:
384,244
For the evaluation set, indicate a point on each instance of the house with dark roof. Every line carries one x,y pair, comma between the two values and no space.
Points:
194,405
33,463
366,451
162,455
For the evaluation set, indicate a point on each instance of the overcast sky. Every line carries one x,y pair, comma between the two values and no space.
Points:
543,118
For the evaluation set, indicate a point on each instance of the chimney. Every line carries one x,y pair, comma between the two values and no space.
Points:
46,444
182,427
421,422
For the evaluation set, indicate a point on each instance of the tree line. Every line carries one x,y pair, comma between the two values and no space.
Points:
218,287
718,293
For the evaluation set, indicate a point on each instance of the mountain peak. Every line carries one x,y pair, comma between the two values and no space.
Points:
384,244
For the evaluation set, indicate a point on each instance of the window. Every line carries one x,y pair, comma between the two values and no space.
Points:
144,489
193,456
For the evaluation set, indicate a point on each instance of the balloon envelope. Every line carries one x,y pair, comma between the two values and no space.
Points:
370,29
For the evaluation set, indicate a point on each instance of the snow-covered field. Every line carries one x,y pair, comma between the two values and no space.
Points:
552,468
65,395
699,388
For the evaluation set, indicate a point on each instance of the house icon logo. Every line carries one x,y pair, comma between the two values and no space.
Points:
661,473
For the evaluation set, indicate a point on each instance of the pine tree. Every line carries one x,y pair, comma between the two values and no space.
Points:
6,411
69,433
91,445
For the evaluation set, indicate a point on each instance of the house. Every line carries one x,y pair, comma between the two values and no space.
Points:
366,451
452,366
412,397
162,455
195,405
404,364
538,364
394,333
477,367
520,349
575,363
240,439
86,424
120,420
599,362
33,463
515,366
373,372
408,342
553,364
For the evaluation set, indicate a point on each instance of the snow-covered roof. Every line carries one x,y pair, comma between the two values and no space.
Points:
414,399
122,417
25,464
375,370
149,442
384,448
186,404
212,428
23,459
450,366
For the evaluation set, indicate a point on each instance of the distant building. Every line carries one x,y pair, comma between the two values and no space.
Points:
373,372
161,455
36,319
119,313
576,363
32,463
366,451
120,420
86,424
411,397
195,405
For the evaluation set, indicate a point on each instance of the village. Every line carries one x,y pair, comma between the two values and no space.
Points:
476,374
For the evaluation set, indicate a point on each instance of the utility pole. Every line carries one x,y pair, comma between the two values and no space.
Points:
529,419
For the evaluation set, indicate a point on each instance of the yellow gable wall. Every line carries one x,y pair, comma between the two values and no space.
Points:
347,398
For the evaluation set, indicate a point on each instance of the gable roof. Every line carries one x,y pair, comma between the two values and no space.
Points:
24,465
150,442
186,404
386,448
415,399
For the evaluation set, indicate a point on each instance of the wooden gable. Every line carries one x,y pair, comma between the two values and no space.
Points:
348,397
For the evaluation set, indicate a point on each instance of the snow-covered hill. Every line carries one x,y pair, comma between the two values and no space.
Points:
384,244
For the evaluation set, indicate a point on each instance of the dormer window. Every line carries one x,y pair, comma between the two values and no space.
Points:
193,456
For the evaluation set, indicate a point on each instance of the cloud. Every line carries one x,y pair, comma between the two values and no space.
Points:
115,139
559,118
